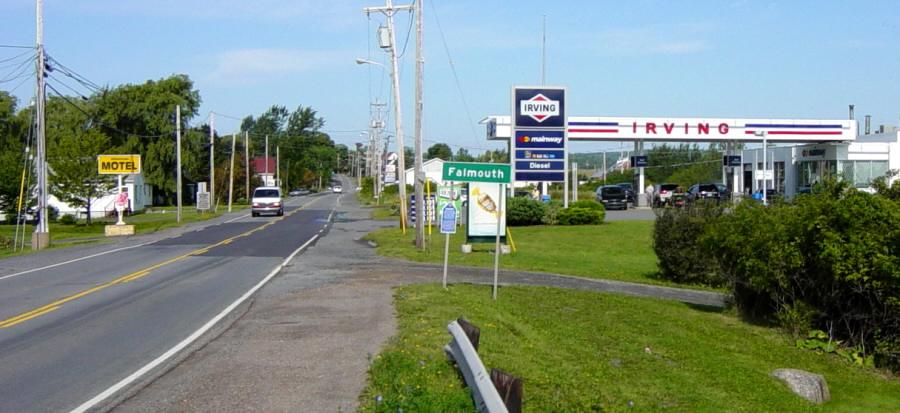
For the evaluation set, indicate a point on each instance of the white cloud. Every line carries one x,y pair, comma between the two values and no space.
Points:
257,65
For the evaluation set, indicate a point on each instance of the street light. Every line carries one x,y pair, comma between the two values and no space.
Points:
398,122
361,61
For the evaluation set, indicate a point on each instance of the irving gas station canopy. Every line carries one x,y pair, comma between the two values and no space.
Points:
634,129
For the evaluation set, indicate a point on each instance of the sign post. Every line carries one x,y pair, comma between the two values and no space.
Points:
448,226
483,173
120,165
500,216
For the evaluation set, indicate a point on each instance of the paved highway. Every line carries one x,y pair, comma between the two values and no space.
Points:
69,333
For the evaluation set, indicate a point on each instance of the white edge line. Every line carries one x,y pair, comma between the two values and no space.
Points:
75,260
235,219
190,339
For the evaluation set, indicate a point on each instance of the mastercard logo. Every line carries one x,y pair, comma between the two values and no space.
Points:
526,139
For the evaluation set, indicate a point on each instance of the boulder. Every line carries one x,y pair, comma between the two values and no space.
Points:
809,386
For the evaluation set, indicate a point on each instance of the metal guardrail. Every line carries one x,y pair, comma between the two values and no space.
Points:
461,350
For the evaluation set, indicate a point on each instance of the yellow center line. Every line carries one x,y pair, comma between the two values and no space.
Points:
17,320
37,312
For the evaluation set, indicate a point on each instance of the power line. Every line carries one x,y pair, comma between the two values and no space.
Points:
20,55
94,121
462,96
12,46
406,42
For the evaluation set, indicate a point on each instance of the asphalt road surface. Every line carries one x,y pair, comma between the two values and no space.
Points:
70,332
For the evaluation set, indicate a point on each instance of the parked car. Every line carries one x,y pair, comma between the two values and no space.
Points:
299,192
629,192
662,194
724,192
703,191
612,197
267,200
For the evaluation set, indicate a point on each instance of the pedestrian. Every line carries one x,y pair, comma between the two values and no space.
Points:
649,192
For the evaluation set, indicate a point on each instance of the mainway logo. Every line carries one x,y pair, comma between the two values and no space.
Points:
541,139
539,108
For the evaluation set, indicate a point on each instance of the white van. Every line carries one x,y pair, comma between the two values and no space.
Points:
267,200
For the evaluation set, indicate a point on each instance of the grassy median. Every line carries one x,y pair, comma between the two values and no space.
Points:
579,351
619,250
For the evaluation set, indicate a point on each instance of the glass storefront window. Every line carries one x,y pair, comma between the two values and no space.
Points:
864,172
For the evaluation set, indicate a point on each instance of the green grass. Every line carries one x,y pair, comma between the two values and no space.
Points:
155,219
619,250
579,351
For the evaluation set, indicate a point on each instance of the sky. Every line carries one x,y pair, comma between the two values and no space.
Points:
722,58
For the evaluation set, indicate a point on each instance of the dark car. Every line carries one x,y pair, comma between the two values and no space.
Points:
662,195
704,191
724,192
612,197
629,191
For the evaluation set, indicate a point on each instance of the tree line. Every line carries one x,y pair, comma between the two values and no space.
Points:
140,119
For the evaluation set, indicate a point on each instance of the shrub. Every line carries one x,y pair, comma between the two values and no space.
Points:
589,204
580,216
551,212
676,235
831,258
523,211
67,219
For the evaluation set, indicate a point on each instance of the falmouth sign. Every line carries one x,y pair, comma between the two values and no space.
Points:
499,173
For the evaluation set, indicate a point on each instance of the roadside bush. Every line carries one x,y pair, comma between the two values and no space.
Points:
67,219
365,189
589,204
830,259
522,211
5,242
580,216
551,212
676,236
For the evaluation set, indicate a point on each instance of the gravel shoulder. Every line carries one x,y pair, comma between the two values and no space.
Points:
307,338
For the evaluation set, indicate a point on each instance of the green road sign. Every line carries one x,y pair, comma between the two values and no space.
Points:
499,173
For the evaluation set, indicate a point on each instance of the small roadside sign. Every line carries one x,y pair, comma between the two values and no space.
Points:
448,219
118,164
203,201
477,172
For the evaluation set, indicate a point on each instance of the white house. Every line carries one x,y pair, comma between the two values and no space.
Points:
139,195
434,171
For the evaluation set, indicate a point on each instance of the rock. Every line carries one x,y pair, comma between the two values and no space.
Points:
809,386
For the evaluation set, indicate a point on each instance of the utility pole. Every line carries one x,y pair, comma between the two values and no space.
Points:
267,161
212,159
41,237
376,127
419,174
277,165
389,11
545,189
231,173
178,163
604,167
247,165
544,51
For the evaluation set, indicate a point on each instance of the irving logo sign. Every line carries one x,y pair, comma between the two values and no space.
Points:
539,108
